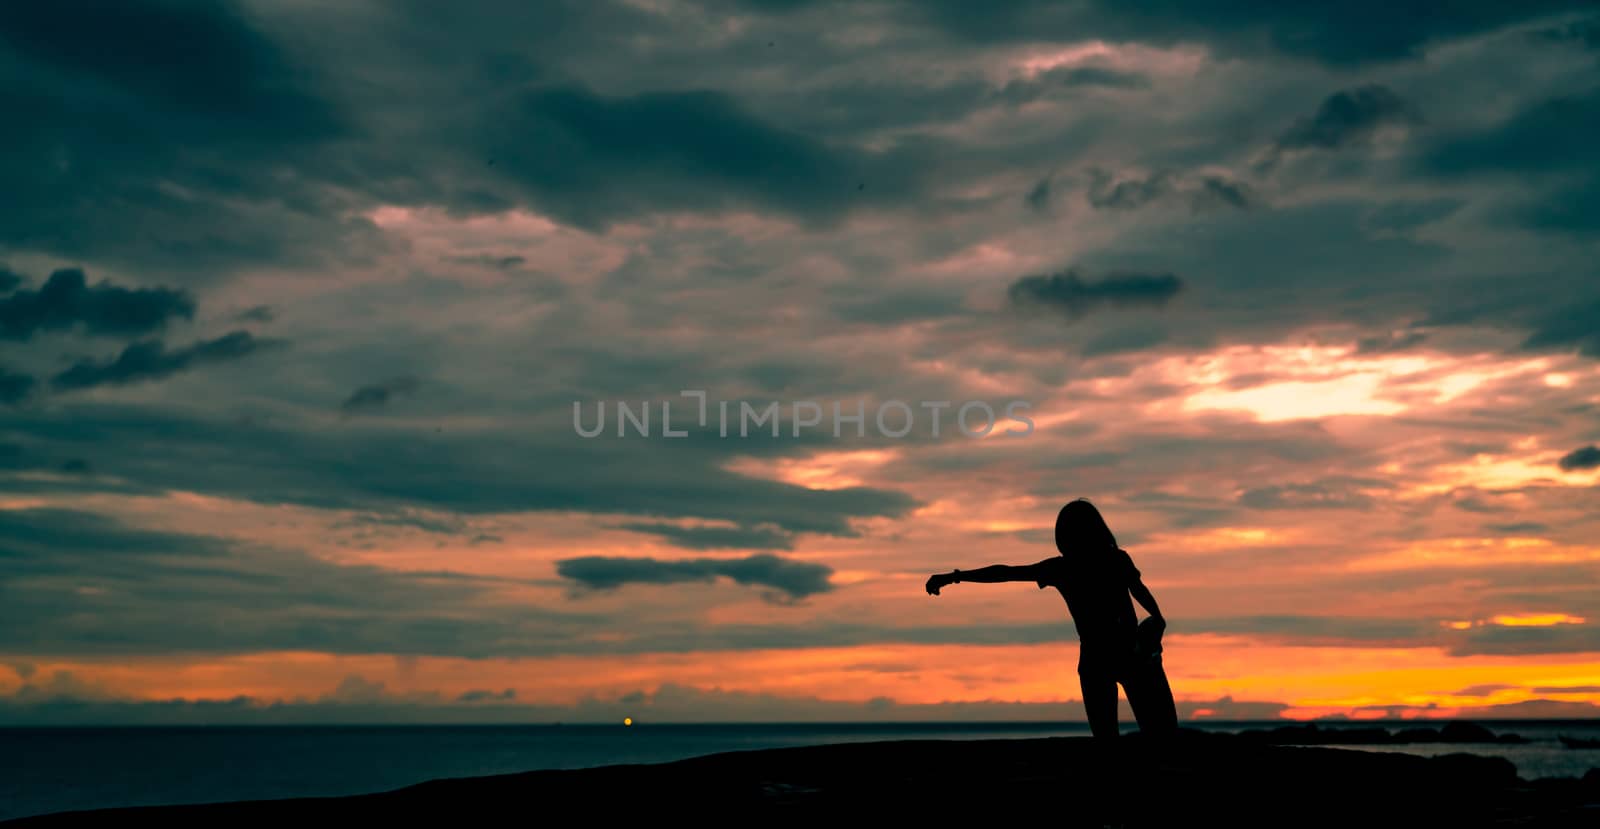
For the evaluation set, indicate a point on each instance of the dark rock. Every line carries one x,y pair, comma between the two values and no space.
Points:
1194,779
1478,770
1457,731
1417,735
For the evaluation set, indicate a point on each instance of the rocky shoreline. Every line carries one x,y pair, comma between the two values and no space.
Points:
1198,778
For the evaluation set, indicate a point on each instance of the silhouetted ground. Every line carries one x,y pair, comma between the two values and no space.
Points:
1197,780
1311,734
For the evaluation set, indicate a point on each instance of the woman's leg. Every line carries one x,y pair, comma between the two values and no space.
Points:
1099,699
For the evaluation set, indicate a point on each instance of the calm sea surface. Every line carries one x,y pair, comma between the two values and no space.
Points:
56,769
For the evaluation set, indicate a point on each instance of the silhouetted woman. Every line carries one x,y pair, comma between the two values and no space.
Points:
1096,577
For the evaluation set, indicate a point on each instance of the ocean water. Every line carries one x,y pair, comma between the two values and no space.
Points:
46,770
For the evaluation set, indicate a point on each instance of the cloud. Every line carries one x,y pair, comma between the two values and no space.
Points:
1526,640
793,579
602,158
1054,81
1349,116
258,313
1585,32
503,262
478,695
1567,689
67,301
1331,494
1356,33
1587,457
1216,190
1543,137
1518,528
150,360
1202,192
15,387
10,279
1411,214
1482,690
378,395
138,156
537,465
1067,291
229,69
1390,342
1573,326
1038,198
1130,193
717,538
82,583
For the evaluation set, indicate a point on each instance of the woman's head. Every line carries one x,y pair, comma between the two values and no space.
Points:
1079,526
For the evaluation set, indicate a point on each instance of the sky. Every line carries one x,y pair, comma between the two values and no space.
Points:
305,309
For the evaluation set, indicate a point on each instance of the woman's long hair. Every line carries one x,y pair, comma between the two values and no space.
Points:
1079,527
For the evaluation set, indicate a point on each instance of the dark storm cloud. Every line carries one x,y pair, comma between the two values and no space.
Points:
1551,135
589,158
717,538
1583,32
378,395
1412,214
1586,458
150,360
1052,81
1347,33
1308,262
1038,198
1204,192
1067,291
228,70
924,302
1572,209
1128,193
1572,326
159,134
15,386
1349,116
1124,340
790,578
1225,192
259,313
67,301
542,466
1389,343
502,262
10,279
82,583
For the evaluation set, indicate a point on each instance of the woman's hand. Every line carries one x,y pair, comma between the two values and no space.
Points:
938,580
1148,635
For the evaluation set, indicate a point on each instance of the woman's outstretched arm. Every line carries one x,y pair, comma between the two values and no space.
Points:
993,574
